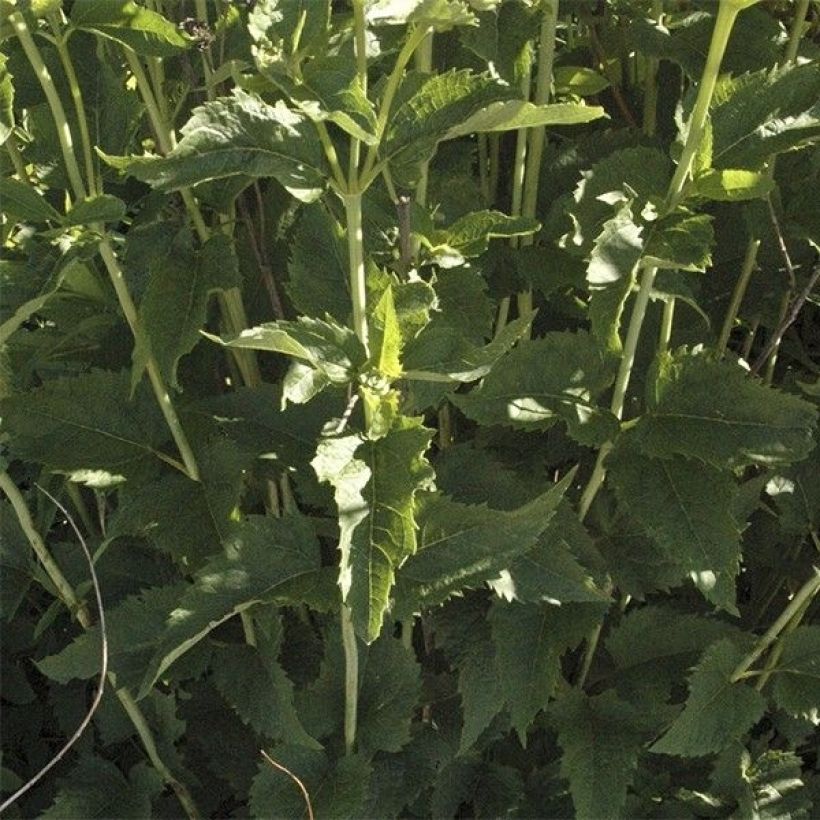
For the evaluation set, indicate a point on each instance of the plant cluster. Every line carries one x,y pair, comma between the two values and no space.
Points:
434,385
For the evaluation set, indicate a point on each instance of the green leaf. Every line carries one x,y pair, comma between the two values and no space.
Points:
174,306
469,236
86,422
574,79
131,25
375,483
7,120
241,135
464,546
440,15
485,786
16,564
686,508
96,788
529,641
731,185
714,412
333,354
386,336
257,689
338,788
611,275
796,686
601,737
22,201
482,696
756,116
542,381
266,560
717,711
100,208
681,241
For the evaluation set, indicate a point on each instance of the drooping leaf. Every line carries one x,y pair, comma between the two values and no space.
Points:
717,711
545,380
134,26
601,737
685,507
714,412
266,560
375,483
238,135
86,422
174,306
611,275
464,546
796,685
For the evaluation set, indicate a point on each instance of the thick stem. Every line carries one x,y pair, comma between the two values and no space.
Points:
355,248
42,73
737,295
424,63
801,597
351,679
727,14
360,43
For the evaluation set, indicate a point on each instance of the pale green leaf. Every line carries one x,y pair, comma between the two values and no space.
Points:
557,377
714,412
440,15
241,135
601,737
266,560
386,338
717,711
375,483
574,79
796,685
131,25
464,546
731,185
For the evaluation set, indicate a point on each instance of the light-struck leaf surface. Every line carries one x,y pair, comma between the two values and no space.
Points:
463,546
234,135
557,377
714,412
601,737
375,483
717,711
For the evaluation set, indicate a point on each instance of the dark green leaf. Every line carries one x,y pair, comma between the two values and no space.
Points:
22,201
796,684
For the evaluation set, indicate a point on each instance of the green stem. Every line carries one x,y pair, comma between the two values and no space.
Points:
424,64
73,492
667,320
355,247
160,390
79,609
360,43
801,597
727,13
42,73
351,679
17,159
650,99
737,295
774,656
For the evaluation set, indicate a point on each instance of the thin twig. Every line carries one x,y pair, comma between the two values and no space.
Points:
781,242
103,665
293,777
788,320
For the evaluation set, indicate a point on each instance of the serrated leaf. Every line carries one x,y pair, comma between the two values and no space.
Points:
464,546
100,208
717,711
174,307
796,685
266,560
257,689
714,412
685,507
529,640
756,116
375,483
86,422
331,353
486,786
731,185
601,737
22,201
611,275
545,380
241,135
96,788
386,336
681,241
338,788
482,695
131,25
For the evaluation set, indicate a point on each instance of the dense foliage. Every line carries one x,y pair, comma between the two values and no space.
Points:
435,386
